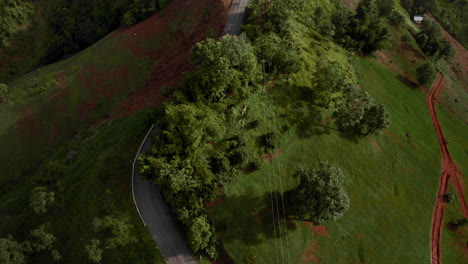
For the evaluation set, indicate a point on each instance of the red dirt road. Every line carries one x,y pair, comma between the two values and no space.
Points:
448,170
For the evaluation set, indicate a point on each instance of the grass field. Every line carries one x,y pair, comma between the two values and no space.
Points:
453,242
95,183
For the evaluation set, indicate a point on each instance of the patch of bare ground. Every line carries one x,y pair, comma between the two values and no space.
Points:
173,57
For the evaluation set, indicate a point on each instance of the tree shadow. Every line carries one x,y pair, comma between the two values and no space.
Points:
251,219
407,81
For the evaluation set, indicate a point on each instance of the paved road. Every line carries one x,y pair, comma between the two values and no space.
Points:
149,202
236,17
156,216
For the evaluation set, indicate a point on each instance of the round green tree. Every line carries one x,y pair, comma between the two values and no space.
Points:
426,74
320,195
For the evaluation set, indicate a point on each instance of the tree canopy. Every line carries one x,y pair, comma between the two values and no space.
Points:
426,74
13,14
320,194
3,90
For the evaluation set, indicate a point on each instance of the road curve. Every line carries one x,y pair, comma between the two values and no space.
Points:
157,218
148,201
236,17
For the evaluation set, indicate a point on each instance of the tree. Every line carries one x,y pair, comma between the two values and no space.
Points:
12,252
119,228
449,197
199,233
323,22
320,194
375,119
426,74
13,14
41,199
352,107
281,55
3,90
94,250
329,79
385,7
41,239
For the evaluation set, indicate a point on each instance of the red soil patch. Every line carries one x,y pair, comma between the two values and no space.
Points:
271,156
223,259
351,4
214,203
374,143
320,230
309,254
28,124
96,82
174,57
448,169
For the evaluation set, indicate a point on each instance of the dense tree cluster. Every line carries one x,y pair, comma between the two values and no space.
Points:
320,194
40,239
13,15
365,31
199,146
432,43
76,25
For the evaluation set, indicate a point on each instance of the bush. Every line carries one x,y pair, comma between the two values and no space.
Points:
405,38
426,74
3,90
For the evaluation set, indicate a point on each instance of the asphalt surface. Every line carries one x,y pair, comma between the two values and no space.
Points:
236,17
157,218
150,204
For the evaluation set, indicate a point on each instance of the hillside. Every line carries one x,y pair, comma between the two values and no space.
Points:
58,132
310,138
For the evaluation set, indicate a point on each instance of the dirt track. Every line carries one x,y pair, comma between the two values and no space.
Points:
448,170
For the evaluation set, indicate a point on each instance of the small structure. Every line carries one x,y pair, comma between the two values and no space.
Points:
418,19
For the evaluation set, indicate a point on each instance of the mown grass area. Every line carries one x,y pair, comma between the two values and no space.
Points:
391,178
95,183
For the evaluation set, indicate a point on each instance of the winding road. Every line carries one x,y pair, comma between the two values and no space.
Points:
449,170
148,201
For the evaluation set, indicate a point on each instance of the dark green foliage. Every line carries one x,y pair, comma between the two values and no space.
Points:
366,31
352,108
320,194
41,199
3,90
457,223
359,115
323,22
94,250
281,55
270,140
76,25
223,68
42,239
13,252
431,42
449,197
119,230
426,74
201,235
405,38
385,7
329,78
13,14
375,119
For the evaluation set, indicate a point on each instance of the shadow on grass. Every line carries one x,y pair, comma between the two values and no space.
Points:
251,219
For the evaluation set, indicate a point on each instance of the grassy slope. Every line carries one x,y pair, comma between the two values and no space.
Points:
392,182
453,243
77,90
88,193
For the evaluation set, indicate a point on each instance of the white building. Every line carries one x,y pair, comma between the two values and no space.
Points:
418,19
